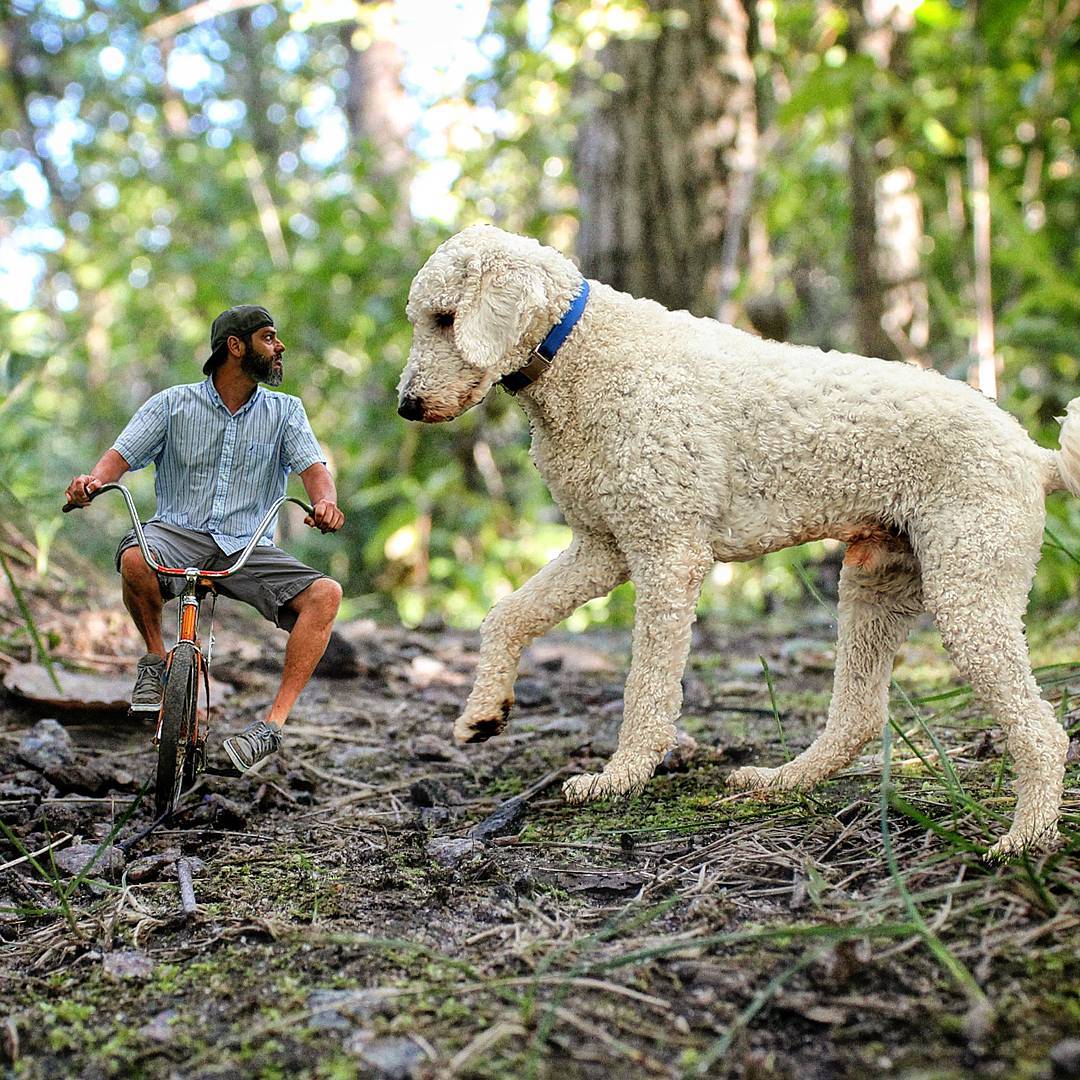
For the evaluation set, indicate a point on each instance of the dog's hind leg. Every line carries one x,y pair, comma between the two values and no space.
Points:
591,566
668,580
980,616
880,598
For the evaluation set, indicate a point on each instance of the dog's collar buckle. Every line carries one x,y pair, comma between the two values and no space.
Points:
543,355
525,376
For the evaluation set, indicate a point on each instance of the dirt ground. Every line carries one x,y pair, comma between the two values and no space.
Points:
379,902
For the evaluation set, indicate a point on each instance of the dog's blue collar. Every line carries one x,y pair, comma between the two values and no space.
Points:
544,353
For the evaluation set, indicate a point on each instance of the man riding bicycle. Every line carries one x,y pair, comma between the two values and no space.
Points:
223,450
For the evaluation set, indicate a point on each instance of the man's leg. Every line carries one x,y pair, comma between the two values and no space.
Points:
316,608
142,598
310,612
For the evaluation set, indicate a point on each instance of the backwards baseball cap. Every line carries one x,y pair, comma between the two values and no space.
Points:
239,322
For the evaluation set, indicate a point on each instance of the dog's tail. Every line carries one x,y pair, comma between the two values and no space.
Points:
1065,476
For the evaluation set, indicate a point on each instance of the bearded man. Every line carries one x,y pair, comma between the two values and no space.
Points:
223,449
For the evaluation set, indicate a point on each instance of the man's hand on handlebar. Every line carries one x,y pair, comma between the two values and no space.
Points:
325,516
80,490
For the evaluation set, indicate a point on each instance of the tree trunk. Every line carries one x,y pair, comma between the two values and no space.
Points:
987,365
375,102
264,135
867,286
891,305
906,315
656,157
260,161
985,375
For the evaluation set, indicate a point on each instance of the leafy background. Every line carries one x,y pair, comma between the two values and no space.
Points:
137,205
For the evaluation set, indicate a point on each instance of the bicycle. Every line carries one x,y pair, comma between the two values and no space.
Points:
180,739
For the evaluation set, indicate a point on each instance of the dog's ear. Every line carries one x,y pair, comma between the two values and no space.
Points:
496,306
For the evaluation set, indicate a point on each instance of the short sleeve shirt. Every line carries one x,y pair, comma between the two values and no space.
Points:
219,472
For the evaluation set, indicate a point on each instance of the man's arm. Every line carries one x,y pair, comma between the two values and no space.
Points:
136,446
107,471
319,485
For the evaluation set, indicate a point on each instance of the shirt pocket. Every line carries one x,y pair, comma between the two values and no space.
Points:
262,453
261,462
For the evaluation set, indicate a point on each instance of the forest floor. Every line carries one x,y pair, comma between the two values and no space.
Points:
379,902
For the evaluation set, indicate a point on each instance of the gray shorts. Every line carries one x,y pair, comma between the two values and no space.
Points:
269,580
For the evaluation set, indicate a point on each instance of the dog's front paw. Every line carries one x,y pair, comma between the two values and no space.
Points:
616,779
1013,844
584,788
477,725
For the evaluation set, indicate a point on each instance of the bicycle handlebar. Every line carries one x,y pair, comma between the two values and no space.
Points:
172,571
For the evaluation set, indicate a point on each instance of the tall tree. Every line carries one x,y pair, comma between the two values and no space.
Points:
374,99
886,212
657,155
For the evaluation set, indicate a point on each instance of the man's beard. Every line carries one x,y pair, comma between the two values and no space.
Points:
262,369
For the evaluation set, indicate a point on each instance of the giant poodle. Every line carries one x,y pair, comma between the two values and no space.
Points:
670,442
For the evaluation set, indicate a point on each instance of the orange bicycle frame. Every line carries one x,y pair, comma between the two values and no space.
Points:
188,630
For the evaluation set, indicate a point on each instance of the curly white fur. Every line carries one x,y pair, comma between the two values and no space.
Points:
670,441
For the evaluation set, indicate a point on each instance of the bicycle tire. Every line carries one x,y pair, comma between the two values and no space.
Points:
177,727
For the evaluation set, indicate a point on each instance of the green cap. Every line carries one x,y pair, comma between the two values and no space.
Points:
239,322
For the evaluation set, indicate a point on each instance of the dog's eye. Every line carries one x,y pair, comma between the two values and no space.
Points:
444,319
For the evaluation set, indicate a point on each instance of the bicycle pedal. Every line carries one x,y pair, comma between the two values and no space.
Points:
214,770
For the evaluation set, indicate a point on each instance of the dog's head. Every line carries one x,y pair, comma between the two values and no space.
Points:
475,307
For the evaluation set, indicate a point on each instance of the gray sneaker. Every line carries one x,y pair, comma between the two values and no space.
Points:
257,741
149,685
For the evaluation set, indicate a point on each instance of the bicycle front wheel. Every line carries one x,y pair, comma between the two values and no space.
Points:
177,727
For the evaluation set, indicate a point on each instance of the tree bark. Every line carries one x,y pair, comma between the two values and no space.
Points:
867,286
985,375
655,158
987,364
890,297
375,101
264,135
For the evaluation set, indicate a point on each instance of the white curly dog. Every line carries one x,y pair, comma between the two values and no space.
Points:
670,442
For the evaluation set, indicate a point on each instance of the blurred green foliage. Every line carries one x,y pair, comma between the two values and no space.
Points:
152,203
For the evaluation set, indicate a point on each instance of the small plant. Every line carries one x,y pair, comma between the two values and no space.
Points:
40,651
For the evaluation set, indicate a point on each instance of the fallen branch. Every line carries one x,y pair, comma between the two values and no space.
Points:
187,888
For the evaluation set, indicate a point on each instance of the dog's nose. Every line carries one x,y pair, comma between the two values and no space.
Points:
411,409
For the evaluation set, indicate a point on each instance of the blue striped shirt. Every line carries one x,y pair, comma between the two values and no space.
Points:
219,472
